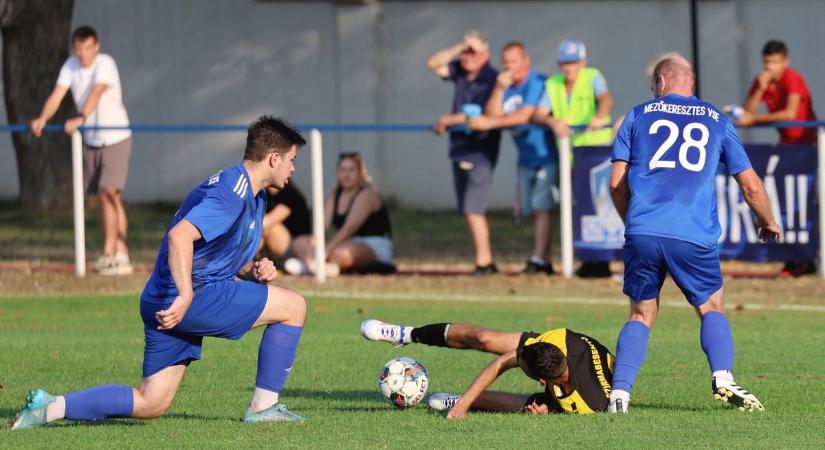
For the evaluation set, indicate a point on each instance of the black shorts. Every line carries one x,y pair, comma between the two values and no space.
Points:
472,181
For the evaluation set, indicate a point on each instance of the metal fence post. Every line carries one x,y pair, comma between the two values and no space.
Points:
316,149
566,205
78,205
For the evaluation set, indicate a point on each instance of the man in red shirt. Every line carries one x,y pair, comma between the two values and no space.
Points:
785,94
787,99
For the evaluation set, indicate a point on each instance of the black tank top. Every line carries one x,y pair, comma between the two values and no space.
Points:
377,223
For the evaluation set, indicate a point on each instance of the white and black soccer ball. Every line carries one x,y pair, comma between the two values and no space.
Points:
403,382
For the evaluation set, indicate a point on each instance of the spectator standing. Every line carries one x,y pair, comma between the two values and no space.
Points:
578,96
518,92
473,154
787,98
94,81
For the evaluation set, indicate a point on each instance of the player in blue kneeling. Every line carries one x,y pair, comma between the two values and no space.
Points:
663,185
193,292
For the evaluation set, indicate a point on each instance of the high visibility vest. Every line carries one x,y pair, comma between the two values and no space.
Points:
580,109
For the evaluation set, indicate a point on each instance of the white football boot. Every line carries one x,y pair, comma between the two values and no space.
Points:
730,392
442,401
375,330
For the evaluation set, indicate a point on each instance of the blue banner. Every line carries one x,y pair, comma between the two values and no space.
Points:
789,175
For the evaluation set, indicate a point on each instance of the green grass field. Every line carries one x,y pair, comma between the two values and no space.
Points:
69,343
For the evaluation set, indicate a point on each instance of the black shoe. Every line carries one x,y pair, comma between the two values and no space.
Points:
600,269
534,267
489,269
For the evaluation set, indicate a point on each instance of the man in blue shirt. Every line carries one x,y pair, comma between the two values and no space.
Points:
193,292
665,158
518,93
473,154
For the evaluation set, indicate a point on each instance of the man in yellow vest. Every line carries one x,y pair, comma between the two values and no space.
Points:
578,96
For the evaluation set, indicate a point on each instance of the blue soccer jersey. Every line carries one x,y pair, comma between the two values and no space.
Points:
536,145
673,145
229,217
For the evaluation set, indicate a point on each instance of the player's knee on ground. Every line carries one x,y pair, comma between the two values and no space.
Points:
151,407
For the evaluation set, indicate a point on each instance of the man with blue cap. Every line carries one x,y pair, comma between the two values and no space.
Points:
578,96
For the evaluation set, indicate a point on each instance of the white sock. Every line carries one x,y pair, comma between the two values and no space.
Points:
618,394
723,375
406,334
56,410
263,399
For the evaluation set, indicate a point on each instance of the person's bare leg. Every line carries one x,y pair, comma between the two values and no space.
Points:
352,255
108,212
276,239
480,233
496,401
468,336
541,234
122,225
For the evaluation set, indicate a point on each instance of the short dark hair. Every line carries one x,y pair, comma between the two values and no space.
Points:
514,44
544,360
82,33
268,134
773,47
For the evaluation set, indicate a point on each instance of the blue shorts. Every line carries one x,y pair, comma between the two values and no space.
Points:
648,259
536,185
225,309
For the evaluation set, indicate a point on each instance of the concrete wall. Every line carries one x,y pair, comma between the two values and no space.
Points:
217,61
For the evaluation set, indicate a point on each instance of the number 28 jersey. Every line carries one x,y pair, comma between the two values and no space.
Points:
673,145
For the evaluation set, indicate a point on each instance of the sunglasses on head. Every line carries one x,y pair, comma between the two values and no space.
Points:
348,155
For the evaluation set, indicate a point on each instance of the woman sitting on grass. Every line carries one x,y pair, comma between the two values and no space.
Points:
362,241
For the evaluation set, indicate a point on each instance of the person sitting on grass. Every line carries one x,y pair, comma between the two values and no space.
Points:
286,223
575,370
363,240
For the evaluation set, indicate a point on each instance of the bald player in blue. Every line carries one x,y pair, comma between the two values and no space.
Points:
665,159
194,293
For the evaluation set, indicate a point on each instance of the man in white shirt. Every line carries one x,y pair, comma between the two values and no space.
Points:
95,84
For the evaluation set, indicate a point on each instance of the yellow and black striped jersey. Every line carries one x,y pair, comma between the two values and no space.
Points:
590,365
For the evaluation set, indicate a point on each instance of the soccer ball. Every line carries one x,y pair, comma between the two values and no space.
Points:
403,382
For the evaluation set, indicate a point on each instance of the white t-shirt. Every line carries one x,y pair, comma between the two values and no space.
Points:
110,109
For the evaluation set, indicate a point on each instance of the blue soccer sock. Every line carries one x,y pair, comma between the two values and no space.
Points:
717,341
631,349
276,355
100,402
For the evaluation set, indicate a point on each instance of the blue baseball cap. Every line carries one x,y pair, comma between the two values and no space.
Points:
572,51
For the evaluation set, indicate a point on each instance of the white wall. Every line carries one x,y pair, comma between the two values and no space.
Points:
216,61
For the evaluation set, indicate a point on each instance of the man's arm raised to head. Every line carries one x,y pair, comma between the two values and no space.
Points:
439,62
484,379
754,193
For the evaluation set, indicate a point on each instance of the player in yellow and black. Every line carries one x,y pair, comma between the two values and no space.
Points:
575,369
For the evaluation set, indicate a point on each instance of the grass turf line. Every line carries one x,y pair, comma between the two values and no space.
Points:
71,343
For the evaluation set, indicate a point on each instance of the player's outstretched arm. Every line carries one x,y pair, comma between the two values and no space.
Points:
754,193
182,239
487,376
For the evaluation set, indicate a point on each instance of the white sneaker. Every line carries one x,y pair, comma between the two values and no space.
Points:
102,261
730,392
375,330
442,401
295,266
117,265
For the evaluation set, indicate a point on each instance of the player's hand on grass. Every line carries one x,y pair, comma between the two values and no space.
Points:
457,412
264,270
168,318
72,125
536,409
771,230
